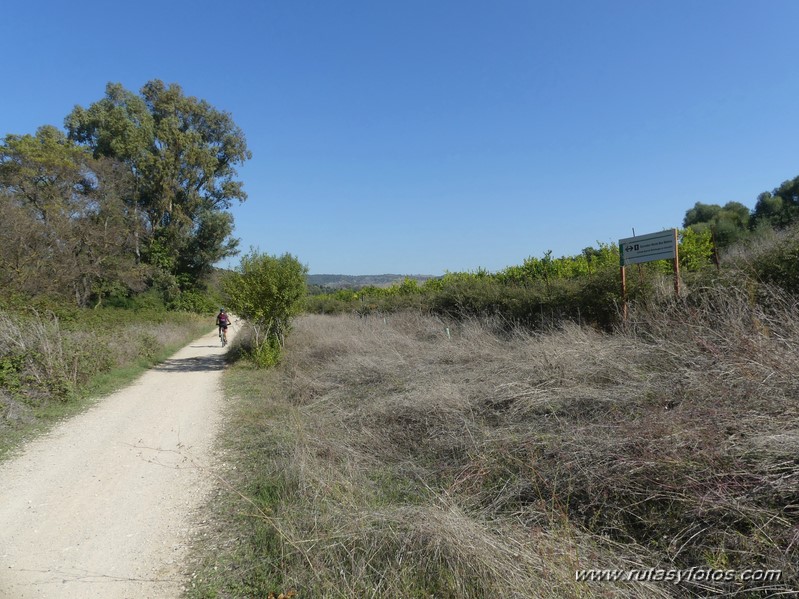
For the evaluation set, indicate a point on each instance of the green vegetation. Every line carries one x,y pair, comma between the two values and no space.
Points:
538,293
132,197
267,292
64,234
734,222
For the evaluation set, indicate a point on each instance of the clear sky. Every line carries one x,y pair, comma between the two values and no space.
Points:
424,136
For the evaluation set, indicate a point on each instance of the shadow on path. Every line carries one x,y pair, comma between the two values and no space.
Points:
195,364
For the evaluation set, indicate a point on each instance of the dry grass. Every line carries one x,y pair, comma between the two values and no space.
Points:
45,363
389,458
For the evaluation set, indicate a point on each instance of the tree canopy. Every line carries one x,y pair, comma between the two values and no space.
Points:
732,222
136,192
182,154
779,207
66,232
728,223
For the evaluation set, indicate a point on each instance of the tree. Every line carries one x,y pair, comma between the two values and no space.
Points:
696,248
779,207
770,209
700,213
268,292
727,224
65,232
182,154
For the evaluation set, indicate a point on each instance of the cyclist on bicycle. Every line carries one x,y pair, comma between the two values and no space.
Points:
222,321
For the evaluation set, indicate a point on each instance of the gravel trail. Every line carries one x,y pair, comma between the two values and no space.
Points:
105,505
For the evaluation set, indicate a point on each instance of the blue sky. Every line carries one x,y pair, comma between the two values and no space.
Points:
419,137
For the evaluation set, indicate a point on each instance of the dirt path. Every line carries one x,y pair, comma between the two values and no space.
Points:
105,505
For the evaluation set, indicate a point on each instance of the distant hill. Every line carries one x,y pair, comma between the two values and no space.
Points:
357,281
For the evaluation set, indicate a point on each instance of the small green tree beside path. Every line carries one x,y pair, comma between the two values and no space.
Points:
267,291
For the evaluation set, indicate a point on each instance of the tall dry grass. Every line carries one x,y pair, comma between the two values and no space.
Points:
392,457
46,360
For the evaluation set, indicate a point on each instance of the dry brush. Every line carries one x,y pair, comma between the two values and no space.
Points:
409,456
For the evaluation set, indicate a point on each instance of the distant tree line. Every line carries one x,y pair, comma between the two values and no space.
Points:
132,194
585,287
734,222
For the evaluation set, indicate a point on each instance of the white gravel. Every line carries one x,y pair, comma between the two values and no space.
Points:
106,504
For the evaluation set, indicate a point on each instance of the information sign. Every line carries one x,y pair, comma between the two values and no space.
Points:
646,248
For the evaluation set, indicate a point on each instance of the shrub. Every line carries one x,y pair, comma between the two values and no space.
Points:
267,292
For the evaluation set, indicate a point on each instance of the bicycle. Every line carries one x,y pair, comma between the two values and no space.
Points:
222,321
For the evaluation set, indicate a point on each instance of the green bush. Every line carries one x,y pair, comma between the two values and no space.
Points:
266,354
267,291
328,304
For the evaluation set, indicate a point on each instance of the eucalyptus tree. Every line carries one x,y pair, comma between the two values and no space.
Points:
182,154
